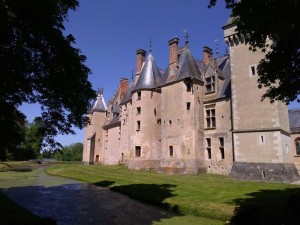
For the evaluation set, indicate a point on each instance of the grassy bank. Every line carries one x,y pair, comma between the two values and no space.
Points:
207,196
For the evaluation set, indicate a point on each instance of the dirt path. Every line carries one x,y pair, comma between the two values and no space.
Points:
72,202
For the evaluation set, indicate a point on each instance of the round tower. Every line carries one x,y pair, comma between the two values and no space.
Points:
93,150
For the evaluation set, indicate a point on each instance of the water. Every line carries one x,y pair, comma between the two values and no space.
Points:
73,202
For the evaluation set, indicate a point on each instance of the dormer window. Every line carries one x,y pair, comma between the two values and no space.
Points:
210,84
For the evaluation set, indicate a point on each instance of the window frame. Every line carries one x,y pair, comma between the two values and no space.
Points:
208,148
138,151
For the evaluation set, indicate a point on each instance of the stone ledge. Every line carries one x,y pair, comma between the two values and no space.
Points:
271,172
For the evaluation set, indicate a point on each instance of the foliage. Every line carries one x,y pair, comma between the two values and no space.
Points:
206,195
12,123
30,148
39,65
72,152
279,22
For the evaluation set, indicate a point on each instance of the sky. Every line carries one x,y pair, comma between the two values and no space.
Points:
110,32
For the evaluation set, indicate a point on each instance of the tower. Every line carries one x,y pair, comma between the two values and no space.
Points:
261,137
181,114
144,117
93,150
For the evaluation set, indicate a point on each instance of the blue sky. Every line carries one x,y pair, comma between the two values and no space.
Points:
110,32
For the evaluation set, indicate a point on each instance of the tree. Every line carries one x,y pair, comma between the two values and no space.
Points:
279,21
40,65
72,152
31,146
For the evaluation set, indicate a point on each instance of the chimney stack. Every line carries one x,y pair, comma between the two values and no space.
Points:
207,54
173,44
140,58
124,87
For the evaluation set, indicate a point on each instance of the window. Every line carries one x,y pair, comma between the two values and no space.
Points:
138,125
159,121
252,70
208,147
210,118
154,112
188,87
138,110
210,84
188,106
137,151
139,95
171,151
221,147
262,139
170,122
297,145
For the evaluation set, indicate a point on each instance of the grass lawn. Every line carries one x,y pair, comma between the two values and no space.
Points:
206,196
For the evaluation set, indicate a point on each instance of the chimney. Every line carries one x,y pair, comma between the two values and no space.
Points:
140,58
207,54
173,44
123,87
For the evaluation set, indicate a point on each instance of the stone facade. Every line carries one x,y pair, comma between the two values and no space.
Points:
195,116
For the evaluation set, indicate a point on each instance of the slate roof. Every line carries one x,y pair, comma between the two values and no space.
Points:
127,96
98,105
187,68
294,119
113,123
150,76
224,69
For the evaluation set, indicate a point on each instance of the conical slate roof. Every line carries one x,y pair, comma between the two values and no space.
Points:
187,68
99,104
150,76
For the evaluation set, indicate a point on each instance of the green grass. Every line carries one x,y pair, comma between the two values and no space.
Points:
207,196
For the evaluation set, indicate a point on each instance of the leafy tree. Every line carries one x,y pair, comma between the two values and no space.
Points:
30,148
279,21
12,123
40,65
72,152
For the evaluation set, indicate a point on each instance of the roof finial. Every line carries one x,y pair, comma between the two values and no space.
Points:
226,51
186,37
150,45
100,90
217,48
131,74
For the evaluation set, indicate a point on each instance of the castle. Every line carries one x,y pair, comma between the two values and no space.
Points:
195,116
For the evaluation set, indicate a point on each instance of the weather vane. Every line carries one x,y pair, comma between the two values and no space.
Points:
150,45
100,91
186,37
217,47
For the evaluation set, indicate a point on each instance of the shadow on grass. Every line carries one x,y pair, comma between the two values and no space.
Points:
104,183
268,207
154,194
